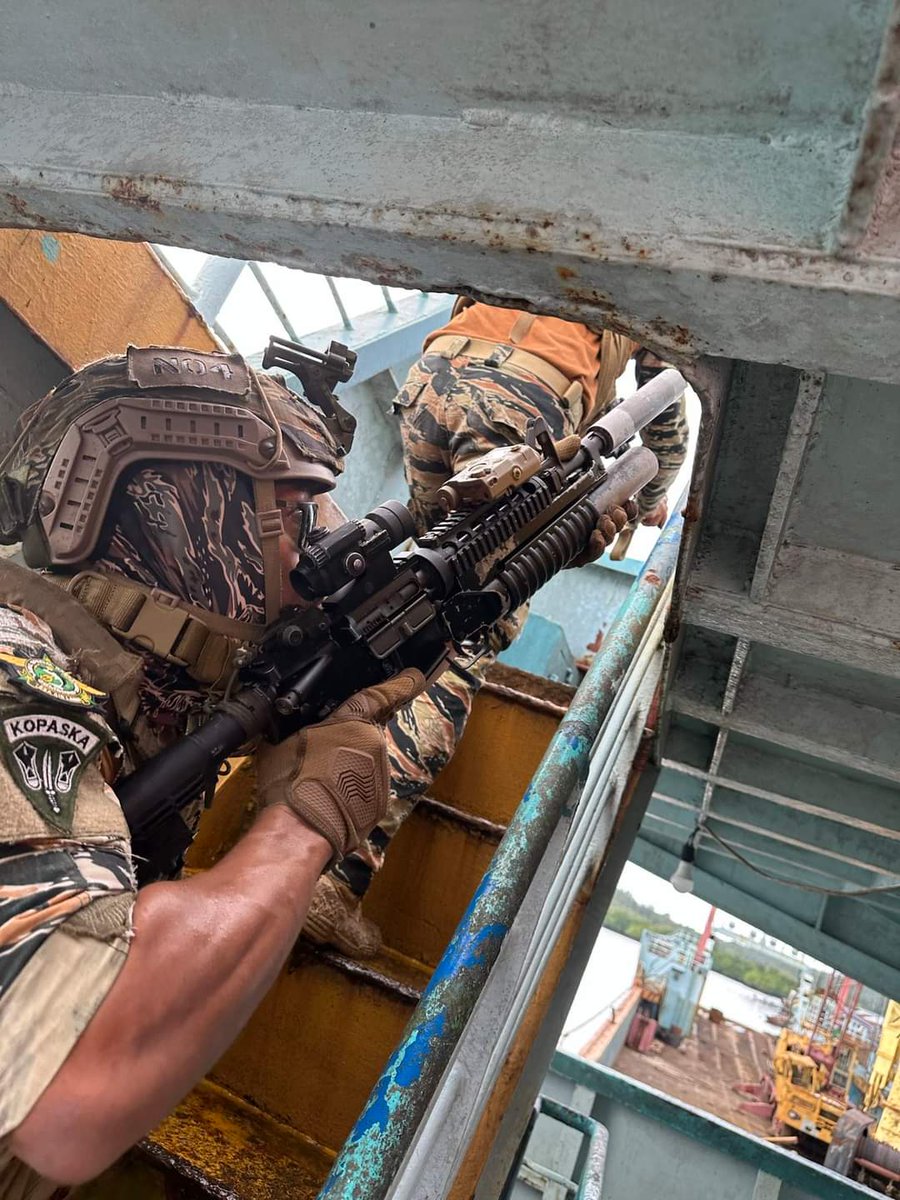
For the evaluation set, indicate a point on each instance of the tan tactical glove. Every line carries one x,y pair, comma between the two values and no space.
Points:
610,524
334,775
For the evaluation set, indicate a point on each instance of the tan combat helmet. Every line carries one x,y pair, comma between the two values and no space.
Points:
155,403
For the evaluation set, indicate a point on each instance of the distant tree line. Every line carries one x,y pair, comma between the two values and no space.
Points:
749,965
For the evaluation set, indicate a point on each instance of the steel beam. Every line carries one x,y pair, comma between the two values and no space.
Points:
652,1127
750,769
816,723
788,629
793,455
318,143
780,846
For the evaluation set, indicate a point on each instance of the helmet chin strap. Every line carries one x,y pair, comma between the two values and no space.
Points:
270,526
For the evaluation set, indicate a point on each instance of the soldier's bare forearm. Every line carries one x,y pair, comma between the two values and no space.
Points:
204,953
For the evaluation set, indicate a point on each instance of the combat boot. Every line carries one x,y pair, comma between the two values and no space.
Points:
335,919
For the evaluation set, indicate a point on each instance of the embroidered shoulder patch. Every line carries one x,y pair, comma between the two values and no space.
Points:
42,676
46,754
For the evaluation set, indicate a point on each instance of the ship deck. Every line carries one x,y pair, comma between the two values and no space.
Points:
702,1070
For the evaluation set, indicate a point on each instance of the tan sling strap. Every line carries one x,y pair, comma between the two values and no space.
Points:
108,665
271,527
615,351
202,642
521,325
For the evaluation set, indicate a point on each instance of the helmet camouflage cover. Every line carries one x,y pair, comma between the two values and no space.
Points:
152,404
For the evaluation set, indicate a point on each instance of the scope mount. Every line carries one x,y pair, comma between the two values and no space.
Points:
318,373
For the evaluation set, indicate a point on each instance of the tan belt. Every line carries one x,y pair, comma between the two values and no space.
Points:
509,358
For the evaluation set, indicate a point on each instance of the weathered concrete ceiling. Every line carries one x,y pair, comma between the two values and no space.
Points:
716,176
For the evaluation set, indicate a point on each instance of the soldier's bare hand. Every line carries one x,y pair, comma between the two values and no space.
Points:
657,516
609,526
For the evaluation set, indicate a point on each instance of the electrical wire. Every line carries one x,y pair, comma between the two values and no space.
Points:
794,883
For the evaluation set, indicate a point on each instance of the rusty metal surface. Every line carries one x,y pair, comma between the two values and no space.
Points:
847,1138
215,1147
476,825
511,729
523,686
362,971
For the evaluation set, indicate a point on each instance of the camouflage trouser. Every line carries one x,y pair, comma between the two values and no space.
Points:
667,436
449,412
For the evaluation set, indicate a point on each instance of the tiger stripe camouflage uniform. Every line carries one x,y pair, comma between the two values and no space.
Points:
455,409
66,880
451,410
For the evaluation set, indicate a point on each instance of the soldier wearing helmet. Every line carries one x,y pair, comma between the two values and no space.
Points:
157,493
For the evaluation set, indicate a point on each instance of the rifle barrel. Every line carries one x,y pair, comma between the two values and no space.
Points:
623,421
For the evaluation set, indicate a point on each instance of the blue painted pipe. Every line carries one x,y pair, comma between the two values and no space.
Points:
382,1135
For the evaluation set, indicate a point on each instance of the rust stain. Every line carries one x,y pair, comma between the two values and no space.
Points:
476,1155
396,275
278,1063
17,204
20,207
133,192
652,578
691,511
566,273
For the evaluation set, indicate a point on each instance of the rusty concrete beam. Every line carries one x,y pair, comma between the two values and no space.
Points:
696,244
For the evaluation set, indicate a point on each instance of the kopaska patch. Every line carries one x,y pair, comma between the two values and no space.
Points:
46,753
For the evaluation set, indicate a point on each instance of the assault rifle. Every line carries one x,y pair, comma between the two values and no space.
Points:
515,518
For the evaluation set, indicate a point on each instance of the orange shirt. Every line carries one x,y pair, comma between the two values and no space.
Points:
573,348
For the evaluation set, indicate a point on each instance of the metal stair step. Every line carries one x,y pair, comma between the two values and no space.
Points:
430,873
314,1048
512,721
215,1145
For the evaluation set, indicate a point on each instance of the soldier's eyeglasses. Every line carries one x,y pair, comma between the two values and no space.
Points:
299,519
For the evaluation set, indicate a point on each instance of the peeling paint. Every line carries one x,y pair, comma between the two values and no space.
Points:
50,248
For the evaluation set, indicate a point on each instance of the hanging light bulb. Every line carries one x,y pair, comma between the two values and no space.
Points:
682,878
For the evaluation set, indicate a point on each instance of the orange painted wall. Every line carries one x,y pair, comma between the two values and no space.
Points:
86,297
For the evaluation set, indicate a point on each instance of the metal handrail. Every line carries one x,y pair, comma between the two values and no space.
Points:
587,1183
385,1130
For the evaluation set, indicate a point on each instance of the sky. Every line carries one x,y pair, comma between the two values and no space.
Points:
659,894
